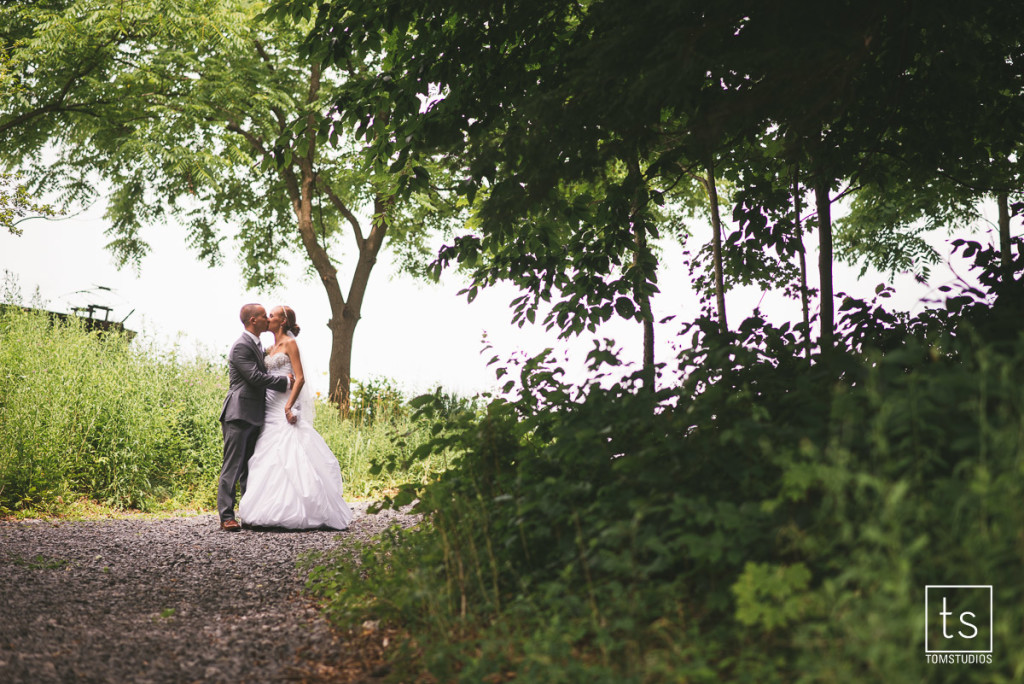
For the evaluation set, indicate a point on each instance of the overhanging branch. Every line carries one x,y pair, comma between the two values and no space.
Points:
344,211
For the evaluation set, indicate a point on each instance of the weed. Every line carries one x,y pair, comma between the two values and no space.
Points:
40,562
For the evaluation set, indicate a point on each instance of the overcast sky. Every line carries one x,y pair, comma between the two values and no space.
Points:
420,335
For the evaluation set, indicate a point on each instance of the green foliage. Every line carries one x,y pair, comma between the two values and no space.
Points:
85,415
95,416
172,105
376,455
771,595
574,125
201,110
375,400
16,204
885,224
768,519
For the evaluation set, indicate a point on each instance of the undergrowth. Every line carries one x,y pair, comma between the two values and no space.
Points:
769,519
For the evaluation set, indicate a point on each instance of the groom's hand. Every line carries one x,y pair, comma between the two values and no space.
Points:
291,381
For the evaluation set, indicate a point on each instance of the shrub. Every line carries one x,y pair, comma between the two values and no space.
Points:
768,519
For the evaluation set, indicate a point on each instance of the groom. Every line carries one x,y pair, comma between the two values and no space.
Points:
242,416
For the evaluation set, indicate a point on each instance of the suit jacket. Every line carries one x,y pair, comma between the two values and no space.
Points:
248,382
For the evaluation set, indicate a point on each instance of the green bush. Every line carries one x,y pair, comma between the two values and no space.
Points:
766,520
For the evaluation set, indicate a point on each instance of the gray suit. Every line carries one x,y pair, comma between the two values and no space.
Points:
242,417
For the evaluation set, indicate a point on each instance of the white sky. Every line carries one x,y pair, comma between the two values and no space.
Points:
420,335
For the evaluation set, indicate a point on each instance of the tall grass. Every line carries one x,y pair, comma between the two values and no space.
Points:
86,415
129,425
375,444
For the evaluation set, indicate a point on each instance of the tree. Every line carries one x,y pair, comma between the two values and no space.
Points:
533,98
536,97
949,139
202,111
536,106
891,103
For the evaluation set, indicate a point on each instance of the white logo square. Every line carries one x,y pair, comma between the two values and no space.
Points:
955,615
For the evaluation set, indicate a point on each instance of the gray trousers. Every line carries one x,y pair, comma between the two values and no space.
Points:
239,444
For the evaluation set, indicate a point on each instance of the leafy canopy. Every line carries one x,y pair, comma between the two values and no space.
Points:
196,110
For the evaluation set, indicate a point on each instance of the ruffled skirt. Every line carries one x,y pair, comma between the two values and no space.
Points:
294,479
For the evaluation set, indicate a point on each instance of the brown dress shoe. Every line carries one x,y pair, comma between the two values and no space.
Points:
230,526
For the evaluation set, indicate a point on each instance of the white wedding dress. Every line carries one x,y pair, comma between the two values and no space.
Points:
294,479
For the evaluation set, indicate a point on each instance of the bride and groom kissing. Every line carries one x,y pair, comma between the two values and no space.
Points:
287,475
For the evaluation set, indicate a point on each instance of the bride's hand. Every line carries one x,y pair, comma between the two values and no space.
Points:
291,416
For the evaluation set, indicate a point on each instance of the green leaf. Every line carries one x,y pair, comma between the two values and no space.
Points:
625,308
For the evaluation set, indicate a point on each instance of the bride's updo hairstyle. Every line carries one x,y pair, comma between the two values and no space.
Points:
289,316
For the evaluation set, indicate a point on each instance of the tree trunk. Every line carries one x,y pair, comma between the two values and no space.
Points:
344,326
824,207
805,303
711,186
638,222
646,314
341,333
343,330
1005,255
649,348
345,313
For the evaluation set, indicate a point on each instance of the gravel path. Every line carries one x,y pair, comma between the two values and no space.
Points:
172,600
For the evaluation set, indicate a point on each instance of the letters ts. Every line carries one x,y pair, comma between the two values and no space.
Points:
945,612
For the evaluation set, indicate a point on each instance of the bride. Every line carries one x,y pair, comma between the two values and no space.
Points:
294,479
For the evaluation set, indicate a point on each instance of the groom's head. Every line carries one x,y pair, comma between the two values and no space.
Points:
254,318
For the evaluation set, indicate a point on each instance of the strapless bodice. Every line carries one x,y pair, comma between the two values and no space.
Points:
279,364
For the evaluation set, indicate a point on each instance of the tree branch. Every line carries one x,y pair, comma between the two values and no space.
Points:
368,256
58,104
262,52
252,139
55,106
344,211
